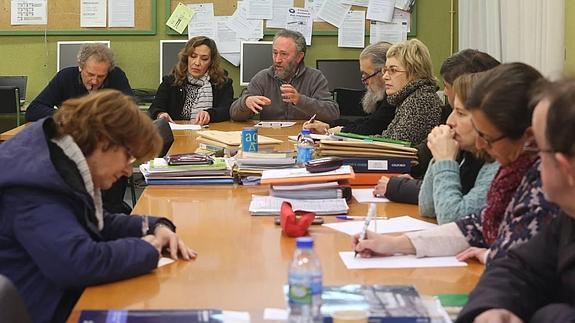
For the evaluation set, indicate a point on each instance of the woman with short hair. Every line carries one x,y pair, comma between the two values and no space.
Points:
198,89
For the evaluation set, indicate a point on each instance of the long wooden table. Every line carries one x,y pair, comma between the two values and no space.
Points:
243,260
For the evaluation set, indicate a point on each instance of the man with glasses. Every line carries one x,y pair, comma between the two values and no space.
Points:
371,61
96,70
288,90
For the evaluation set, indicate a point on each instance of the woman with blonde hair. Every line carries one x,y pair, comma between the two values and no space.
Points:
56,237
198,89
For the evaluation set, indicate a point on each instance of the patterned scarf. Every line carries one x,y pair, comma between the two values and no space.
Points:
398,97
501,192
198,96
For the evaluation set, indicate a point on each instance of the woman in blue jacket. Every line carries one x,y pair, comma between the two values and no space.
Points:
55,237
198,89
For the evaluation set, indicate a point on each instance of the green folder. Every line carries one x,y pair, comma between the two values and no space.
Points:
373,138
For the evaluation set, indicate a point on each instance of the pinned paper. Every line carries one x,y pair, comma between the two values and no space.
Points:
180,18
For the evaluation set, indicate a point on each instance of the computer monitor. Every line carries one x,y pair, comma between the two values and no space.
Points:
169,50
254,57
341,73
18,81
68,52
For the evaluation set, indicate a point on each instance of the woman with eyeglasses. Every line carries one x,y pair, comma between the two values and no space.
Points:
501,105
56,239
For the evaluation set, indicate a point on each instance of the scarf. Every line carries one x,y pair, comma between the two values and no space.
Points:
71,149
501,192
198,96
398,97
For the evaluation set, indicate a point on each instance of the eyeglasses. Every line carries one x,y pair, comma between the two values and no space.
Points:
486,140
537,150
391,70
366,78
130,157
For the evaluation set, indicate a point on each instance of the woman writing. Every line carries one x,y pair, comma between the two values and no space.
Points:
198,88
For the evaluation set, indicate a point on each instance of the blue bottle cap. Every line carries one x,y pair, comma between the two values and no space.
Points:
304,243
305,132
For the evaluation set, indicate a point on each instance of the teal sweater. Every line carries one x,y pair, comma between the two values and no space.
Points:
441,197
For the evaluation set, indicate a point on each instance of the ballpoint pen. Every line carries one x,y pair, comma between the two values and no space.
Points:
370,214
349,217
312,119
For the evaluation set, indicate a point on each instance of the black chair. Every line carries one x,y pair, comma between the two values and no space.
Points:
12,308
349,101
10,101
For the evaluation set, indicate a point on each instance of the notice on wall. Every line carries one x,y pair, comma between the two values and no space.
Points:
29,12
93,13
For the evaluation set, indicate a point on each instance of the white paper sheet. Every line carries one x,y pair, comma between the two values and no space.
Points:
381,10
275,314
259,9
313,6
401,17
365,195
392,225
392,32
29,12
245,29
361,3
165,261
121,13
302,172
352,31
398,261
176,126
226,38
233,58
314,136
270,205
280,12
274,124
300,19
235,317
203,22
93,13
333,12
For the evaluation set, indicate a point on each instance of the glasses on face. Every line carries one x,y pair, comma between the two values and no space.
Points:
366,78
484,138
129,157
392,70
537,150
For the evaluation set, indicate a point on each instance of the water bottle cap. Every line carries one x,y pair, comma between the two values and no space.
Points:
304,243
305,132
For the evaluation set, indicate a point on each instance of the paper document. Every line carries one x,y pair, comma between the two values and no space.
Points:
365,195
400,261
165,261
314,136
244,27
381,10
259,9
270,205
93,13
303,187
302,172
301,20
233,58
274,124
176,126
280,9
28,12
121,13
180,18
333,12
389,32
352,31
226,38
393,225
275,314
361,3
202,22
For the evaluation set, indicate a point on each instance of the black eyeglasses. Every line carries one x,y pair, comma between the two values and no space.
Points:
486,140
366,78
537,150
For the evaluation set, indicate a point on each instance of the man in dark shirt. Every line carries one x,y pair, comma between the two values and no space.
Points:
96,70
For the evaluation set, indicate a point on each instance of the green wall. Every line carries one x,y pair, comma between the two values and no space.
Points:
570,36
138,56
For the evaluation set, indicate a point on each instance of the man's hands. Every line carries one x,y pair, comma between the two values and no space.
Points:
256,103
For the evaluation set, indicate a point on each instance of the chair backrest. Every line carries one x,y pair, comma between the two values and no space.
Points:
9,99
19,81
349,101
166,133
12,309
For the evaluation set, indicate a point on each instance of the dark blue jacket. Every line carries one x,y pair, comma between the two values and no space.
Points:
67,84
50,246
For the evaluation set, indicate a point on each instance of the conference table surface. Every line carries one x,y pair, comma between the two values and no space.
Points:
243,260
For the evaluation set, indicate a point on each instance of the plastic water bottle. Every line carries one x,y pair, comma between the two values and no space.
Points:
305,284
305,147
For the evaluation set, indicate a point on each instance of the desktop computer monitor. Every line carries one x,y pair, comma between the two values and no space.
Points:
68,52
169,50
17,81
341,73
254,57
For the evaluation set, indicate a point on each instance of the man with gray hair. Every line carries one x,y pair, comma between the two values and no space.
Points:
380,112
96,70
288,90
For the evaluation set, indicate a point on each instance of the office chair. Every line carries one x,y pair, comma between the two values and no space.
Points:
165,132
12,308
349,101
10,101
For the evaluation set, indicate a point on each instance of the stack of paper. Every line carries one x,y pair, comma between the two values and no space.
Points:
313,191
254,163
269,205
301,175
359,148
158,172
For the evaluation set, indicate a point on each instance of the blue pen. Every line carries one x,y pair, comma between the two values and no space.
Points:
348,217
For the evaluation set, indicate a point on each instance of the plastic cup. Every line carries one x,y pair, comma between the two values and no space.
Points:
350,316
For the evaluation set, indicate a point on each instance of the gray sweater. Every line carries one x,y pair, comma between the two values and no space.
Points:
441,195
314,97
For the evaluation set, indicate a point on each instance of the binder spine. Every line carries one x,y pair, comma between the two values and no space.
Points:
379,165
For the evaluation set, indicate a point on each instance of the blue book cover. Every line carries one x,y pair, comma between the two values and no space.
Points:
378,164
152,316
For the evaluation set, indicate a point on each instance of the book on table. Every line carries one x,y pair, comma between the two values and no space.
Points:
271,205
301,175
152,316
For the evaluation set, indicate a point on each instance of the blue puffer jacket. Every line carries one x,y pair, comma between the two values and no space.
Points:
50,246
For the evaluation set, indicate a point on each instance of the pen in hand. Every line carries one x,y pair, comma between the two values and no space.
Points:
370,214
312,119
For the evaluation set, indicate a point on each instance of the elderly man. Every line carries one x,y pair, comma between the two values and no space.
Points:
288,90
96,70
371,61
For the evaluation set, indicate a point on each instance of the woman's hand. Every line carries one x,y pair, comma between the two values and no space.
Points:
316,127
376,244
173,243
202,118
381,187
164,115
473,252
442,144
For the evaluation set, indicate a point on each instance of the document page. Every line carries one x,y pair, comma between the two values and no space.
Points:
365,195
352,31
333,12
121,13
280,12
392,225
399,261
270,205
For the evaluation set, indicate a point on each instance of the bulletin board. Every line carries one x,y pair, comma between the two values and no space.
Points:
64,19
225,8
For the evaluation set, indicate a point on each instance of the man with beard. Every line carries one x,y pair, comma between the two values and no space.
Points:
288,90
371,61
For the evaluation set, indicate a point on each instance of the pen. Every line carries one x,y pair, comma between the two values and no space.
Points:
312,119
370,214
348,217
